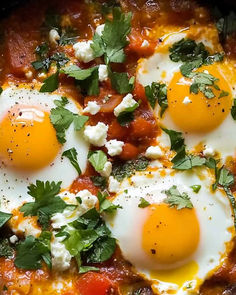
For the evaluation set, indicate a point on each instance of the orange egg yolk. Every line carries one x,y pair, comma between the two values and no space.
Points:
170,235
201,114
27,138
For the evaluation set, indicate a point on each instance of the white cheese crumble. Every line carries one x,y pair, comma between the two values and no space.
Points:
54,37
27,228
97,134
83,51
61,257
114,147
186,100
13,239
145,43
100,29
113,185
106,171
93,108
127,102
208,151
102,73
153,152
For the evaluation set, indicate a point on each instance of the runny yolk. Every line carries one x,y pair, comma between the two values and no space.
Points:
199,114
170,236
27,138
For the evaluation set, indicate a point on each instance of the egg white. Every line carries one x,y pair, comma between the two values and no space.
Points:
13,184
213,212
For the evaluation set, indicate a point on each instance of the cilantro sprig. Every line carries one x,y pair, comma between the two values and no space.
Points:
71,154
176,199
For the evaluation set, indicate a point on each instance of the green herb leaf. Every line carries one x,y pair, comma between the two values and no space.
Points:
84,269
114,38
46,202
99,181
105,205
4,217
121,82
157,92
98,160
143,203
176,139
1,90
233,110
232,202
69,36
60,58
187,162
127,115
5,249
61,103
71,154
30,253
120,170
196,188
79,121
51,83
175,199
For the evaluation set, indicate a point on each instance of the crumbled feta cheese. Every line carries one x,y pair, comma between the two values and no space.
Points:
100,29
13,239
114,147
102,73
127,102
83,51
113,185
145,43
27,228
93,108
54,37
106,171
61,257
186,100
153,152
208,151
69,215
97,134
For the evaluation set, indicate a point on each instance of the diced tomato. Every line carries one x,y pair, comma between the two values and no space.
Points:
139,91
20,49
141,128
84,182
93,284
116,130
129,152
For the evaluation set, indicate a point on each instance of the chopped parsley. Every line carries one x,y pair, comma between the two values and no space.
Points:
114,37
143,203
176,199
4,217
5,249
157,92
127,116
71,154
97,159
120,170
196,188
32,251
46,201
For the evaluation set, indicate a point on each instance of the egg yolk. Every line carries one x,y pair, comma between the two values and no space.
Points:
195,112
27,138
169,235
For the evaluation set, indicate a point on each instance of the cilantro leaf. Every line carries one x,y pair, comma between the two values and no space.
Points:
114,38
175,199
84,269
127,115
30,253
4,217
71,154
97,159
143,203
79,121
232,202
60,58
99,181
196,188
87,79
61,103
233,110
1,90
157,92
120,170
105,205
121,82
226,25
5,248
69,35
46,202
51,83
176,139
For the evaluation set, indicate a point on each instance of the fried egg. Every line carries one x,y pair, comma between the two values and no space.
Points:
29,149
203,122
175,249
